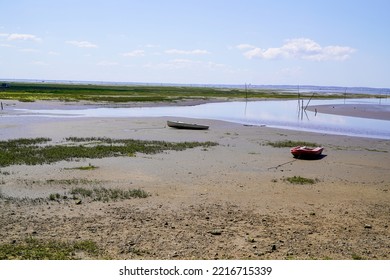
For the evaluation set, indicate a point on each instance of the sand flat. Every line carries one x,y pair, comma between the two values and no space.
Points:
370,111
237,188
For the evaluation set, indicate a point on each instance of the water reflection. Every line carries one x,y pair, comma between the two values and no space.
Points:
280,114
287,114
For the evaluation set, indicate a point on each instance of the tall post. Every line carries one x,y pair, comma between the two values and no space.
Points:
345,94
299,99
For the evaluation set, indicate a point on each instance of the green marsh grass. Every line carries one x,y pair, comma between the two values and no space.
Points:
88,167
298,180
54,196
37,150
290,144
81,193
73,181
107,194
35,249
30,92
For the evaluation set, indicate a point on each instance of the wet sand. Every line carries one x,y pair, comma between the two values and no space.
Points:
231,201
370,111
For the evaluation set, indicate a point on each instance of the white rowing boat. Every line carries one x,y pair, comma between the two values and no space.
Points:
183,125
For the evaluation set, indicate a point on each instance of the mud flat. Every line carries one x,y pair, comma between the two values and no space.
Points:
370,111
230,201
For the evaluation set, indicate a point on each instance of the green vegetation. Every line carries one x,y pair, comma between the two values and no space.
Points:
33,151
88,167
54,196
30,92
99,194
82,193
105,195
23,200
290,144
34,249
356,257
298,180
73,181
376,150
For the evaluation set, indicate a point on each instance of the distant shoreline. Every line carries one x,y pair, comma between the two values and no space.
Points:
288,88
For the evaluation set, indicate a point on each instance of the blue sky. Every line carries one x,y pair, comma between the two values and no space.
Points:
326,42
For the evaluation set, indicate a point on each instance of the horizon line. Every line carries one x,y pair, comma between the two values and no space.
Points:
243,85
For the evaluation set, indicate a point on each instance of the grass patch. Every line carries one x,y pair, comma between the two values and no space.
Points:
376,150
356,257
30,92
88,167
107,194
81,194
99,194
290,144
73,181
34,249
22,200
54,196
298,180
36,151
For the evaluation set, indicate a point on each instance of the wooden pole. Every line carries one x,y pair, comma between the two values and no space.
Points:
309,101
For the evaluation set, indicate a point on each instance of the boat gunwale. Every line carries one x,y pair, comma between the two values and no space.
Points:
185,125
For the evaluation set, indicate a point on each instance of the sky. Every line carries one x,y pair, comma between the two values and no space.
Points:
279,42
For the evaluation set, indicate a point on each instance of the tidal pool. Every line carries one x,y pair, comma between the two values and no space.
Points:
279,114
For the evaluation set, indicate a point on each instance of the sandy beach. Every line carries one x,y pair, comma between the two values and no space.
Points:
370,111
230,201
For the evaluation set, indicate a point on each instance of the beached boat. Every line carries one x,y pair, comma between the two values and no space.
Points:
306,152
183,125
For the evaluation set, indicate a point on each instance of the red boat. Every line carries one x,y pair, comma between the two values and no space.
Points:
305,152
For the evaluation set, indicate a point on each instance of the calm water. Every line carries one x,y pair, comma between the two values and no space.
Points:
280,114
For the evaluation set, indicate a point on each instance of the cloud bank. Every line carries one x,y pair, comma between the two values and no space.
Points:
20,37
301,48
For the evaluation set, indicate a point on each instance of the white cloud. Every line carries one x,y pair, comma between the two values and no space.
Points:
189,52
135,53
21,37
301,48
82,44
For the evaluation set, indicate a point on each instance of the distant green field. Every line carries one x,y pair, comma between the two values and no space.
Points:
30,92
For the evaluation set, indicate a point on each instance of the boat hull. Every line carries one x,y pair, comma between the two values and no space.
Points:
183,125
305,152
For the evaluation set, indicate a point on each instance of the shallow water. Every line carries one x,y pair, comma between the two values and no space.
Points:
279,114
